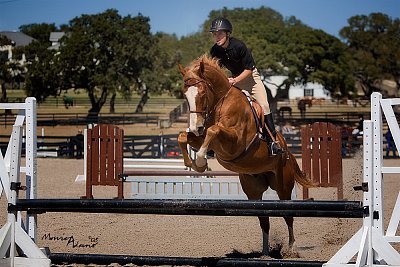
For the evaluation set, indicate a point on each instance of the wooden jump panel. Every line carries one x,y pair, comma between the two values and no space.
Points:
321,155
104,158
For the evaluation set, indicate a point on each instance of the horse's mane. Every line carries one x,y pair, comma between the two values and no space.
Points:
206,59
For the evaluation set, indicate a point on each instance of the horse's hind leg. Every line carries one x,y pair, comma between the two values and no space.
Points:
254,188
285,193
264,224
289,223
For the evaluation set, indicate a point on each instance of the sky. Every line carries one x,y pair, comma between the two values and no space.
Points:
184,17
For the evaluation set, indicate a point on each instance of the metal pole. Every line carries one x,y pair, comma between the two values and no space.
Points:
343,209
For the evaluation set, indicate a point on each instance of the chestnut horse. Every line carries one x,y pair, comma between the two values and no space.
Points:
222,120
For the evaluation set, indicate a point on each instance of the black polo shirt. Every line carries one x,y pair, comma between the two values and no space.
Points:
236,57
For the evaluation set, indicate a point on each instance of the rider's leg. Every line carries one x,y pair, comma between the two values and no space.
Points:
273,143
255,87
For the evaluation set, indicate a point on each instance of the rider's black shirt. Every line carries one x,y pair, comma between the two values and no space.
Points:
236,57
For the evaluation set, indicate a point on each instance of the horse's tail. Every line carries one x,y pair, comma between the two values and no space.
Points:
300,176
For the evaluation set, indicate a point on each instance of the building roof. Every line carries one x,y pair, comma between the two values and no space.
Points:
19,38
56,36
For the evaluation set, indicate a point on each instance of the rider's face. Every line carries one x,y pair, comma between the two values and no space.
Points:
220,37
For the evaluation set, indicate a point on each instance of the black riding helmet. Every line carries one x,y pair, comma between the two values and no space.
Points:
221,24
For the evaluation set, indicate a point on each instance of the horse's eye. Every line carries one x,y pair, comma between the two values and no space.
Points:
190,82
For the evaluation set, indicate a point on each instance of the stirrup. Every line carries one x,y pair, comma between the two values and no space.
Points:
276,148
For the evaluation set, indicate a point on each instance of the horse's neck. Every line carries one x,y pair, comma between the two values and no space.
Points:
220,86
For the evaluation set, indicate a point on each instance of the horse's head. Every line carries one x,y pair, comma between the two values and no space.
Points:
199,97
204,84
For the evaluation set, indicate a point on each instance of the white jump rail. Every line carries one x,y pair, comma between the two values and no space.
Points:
192,188
370,244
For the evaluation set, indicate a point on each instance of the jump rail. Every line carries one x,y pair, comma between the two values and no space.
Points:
102,259
296,208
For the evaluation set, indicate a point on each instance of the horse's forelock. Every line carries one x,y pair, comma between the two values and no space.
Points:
207,60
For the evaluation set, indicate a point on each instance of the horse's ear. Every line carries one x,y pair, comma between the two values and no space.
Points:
201,74
182,69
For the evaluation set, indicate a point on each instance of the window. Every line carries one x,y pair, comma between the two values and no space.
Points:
308,92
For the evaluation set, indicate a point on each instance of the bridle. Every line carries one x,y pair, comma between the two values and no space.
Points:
207,112
192,82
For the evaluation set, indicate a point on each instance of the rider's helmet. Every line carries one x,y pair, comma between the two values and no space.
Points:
221,24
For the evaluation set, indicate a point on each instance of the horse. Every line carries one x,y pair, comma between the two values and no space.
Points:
68,101
221,119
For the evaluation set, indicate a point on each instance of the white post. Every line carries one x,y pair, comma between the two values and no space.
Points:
31,162
376,117
369,242
27,114
16,142
11,234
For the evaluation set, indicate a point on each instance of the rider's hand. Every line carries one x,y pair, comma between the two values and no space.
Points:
232,80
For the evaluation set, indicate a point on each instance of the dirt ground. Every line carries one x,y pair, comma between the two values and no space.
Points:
190,236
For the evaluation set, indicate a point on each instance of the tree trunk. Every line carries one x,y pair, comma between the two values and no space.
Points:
3,98
112,103
142,101
93,115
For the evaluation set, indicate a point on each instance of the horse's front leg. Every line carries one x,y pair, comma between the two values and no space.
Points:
185,139
183,142
224,139
201,160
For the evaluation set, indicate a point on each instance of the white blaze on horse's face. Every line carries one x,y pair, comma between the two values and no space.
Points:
196,119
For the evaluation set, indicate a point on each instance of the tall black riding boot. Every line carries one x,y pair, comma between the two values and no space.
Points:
273,144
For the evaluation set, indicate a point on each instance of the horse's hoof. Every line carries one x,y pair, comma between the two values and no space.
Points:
202,169
201,162
291,252
199,169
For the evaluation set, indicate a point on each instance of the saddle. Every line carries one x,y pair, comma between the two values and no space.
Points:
257,110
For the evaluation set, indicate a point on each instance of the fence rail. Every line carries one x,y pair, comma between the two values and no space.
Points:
154,146
52,119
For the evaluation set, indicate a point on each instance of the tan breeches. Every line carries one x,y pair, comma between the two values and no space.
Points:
255,87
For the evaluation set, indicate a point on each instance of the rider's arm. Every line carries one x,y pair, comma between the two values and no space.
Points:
246,73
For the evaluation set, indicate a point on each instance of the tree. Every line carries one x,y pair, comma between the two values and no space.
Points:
11,69
103,54
373,50
40,32
106,53
289,48
4,72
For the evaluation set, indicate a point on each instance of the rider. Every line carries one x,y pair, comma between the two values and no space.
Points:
236,57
